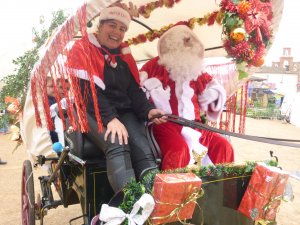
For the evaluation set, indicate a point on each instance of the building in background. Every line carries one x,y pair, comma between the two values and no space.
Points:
283,75
279,84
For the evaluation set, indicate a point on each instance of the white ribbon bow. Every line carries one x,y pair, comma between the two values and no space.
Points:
115,216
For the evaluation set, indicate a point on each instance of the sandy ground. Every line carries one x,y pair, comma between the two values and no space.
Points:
289,159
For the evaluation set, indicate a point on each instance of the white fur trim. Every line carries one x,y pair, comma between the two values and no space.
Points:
113,65
191,138
159,95
143,76
125,51
184,94
115,13
92,38
82,74
161,99
152,83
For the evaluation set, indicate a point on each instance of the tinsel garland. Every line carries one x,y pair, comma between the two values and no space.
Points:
146,10
208,19
246,28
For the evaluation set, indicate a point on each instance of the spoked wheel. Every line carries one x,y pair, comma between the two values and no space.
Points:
27,195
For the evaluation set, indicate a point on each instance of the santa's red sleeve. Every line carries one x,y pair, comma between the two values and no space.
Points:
203,80
153,69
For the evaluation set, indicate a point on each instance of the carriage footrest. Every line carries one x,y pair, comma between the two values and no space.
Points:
52,205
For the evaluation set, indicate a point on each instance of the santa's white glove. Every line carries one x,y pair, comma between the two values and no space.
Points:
208,97
192,139
152,83
212,100
158,94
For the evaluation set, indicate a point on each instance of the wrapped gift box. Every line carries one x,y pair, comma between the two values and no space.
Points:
169,192
264,192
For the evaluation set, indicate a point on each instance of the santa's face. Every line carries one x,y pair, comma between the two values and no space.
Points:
181,52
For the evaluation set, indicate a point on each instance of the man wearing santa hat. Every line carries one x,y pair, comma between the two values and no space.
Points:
177,84
103,57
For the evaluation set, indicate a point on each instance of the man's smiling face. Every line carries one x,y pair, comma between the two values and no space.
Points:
111,33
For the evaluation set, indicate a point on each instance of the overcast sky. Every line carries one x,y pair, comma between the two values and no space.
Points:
18,17
288,34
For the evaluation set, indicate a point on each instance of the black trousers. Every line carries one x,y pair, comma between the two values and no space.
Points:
125,162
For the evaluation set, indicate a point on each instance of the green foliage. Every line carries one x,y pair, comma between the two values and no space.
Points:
16,85
148,181
242,74
132,193
263,113
231,21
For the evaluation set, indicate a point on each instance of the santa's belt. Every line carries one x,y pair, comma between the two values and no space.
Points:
194,124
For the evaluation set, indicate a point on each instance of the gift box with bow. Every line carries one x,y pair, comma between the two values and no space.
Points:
264,193
175,197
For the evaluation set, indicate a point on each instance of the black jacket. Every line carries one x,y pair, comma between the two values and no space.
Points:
121,94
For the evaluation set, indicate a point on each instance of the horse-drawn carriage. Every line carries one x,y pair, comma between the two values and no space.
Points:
77,170
78,173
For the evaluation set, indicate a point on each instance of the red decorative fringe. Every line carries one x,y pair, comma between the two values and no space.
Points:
241,110
35,101
52,65
226,74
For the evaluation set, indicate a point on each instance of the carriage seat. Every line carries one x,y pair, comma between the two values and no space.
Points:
83,146
86,149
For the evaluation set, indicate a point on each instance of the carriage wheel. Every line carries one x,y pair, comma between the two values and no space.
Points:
27,195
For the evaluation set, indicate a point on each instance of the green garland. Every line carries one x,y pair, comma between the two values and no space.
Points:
134,190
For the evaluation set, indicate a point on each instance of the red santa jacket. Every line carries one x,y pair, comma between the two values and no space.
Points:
153,69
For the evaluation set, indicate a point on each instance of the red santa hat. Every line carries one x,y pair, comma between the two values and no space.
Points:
115,13
178,28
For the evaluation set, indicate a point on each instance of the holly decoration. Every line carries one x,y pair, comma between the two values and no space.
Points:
246,29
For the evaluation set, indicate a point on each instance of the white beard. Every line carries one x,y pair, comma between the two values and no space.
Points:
183,63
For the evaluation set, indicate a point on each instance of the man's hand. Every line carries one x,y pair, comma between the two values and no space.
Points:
154,114
115,127
130,8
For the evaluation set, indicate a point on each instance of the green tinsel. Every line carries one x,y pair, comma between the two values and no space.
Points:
132,193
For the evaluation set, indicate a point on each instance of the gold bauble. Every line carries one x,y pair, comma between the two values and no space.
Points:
238,34
259,62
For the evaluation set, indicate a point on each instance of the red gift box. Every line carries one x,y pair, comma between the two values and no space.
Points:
264,193
172,192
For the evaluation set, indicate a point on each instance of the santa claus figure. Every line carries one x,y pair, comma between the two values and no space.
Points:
177,83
